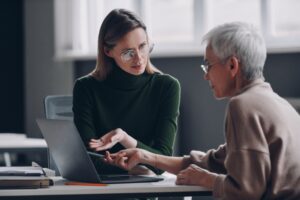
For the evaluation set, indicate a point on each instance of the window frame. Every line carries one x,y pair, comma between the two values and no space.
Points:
82,45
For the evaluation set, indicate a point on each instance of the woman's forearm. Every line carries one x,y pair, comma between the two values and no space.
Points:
166,163
128,141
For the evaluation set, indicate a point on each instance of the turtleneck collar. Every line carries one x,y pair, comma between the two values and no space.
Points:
120,79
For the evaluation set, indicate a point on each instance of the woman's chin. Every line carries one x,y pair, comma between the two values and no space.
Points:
137,70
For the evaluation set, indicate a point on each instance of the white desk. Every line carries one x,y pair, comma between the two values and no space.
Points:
112,191
17,142
14,143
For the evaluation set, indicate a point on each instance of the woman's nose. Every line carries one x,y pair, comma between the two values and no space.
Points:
137,56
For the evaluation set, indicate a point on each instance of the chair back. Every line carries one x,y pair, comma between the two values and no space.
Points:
57,107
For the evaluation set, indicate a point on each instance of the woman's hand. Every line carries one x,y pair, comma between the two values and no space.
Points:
111,138
195,175
107,141
128,158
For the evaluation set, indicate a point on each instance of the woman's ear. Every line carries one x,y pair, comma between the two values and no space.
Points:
108,52
234,66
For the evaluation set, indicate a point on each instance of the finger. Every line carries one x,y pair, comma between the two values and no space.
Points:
122,162
104,147
182,172
108,157
179,181
119,156
95,145
97,142
181,178
132,162
194,166
94,140
114,155
118,161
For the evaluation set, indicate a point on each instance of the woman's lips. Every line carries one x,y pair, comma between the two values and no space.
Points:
136,66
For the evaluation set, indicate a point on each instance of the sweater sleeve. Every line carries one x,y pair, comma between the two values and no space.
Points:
82,109
212,161
247,161
166,124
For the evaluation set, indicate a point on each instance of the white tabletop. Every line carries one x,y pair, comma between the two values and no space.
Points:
162,188
13,141
167,186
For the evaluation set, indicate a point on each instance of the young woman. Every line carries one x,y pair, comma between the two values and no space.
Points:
125,101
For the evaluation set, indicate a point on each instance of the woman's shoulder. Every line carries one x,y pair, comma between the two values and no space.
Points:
85,79
166,83
87,82
165,79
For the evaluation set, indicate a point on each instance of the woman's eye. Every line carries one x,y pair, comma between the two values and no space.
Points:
142,46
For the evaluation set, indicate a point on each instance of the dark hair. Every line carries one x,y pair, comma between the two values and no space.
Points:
115,25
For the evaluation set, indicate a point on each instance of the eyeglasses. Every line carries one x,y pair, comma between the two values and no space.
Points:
206,66
144,50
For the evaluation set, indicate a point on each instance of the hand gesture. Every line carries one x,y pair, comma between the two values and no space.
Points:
126,159
108,140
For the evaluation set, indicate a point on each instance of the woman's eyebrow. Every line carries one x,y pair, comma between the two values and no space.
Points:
126,49
130,49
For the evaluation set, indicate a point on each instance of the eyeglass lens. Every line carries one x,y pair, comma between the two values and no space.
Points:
130,54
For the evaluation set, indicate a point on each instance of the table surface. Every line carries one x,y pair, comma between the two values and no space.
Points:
9,142
167,187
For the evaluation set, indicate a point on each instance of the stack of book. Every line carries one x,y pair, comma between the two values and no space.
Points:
23,177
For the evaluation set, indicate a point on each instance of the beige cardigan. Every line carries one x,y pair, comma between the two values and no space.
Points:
261,156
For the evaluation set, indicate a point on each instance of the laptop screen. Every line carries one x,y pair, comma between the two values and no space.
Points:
70,155
68,151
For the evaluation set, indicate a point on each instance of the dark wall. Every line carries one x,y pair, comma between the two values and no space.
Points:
201,116
283,72
201,119
11,69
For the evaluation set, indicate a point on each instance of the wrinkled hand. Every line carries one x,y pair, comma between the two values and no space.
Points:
195,175
200,154
126,159
107,141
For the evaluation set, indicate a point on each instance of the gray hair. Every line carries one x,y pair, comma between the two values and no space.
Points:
243,41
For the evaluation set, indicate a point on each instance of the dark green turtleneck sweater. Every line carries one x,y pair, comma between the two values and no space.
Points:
145,107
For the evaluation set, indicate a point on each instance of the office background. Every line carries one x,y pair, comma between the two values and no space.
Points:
29,72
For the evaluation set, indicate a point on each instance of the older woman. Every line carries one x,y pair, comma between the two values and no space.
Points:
261,156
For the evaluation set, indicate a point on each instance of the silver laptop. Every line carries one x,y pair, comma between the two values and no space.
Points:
71,157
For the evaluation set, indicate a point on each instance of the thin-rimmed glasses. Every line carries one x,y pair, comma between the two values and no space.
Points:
206,66
130,54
